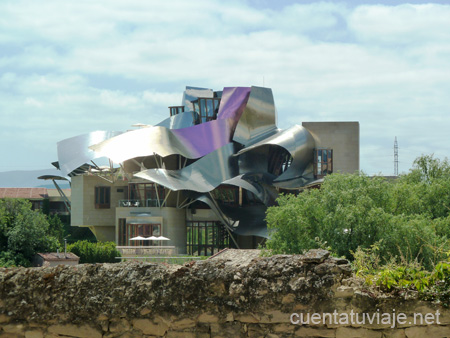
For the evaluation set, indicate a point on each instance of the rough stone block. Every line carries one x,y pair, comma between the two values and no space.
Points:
229,317
434,331
314,332
13,328
75,331
119,325
248,318
348,332
283,328
288,299
275,317
394,333
315,256
344,292
34,334
207,318
10,335
4,319
182,324
180,334
150,328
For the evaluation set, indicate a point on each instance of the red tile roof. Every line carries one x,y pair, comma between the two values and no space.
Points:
28,193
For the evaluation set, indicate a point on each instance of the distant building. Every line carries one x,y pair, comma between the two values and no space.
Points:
40,198
205,176
54,259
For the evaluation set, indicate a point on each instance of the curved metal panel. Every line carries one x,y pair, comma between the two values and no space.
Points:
202,176
250,220
258,120
298,142
54,177
192,142
74,152
182,120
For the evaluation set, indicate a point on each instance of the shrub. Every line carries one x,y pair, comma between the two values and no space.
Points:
408,217
100,252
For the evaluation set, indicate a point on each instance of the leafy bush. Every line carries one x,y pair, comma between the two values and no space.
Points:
409,217
100,252
402,278
23,232
9,259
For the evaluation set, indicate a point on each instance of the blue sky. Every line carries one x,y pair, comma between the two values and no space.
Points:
71,67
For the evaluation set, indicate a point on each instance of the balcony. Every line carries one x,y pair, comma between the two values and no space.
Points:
127,203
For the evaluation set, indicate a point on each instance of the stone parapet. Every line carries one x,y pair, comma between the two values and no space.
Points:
212,298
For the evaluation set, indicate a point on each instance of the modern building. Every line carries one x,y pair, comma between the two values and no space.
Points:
203,177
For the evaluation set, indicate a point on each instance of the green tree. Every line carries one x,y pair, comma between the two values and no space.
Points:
408,217
23,232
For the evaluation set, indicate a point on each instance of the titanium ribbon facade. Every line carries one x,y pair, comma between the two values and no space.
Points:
219,148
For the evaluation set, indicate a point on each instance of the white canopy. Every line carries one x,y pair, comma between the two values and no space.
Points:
138,238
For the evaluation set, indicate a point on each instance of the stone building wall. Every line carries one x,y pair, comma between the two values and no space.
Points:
211,298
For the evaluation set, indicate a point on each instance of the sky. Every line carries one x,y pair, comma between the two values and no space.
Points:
72,67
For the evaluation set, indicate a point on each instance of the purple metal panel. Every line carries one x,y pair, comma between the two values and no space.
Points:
233,102
204,138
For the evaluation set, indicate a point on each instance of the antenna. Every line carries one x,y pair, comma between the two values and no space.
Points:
395,157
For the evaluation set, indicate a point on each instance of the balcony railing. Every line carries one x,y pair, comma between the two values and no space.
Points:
131,203
140,203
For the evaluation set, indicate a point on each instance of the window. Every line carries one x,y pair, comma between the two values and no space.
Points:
130,230
175,110
279,160
102,197
323,162
228,195
207,108
206,238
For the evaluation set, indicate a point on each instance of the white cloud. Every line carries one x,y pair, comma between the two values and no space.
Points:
75,66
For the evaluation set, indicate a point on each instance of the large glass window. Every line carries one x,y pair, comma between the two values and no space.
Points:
206,238
323,162
102,197
130,230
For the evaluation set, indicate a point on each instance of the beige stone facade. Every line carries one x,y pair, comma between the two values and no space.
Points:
343,138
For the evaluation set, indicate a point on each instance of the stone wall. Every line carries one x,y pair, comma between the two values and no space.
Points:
212,298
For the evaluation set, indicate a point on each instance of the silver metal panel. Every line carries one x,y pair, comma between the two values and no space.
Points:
202,176
74,152
249,219
298,142
182,120
193,142
258,120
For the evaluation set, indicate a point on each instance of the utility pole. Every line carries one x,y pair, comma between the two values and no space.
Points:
395,157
